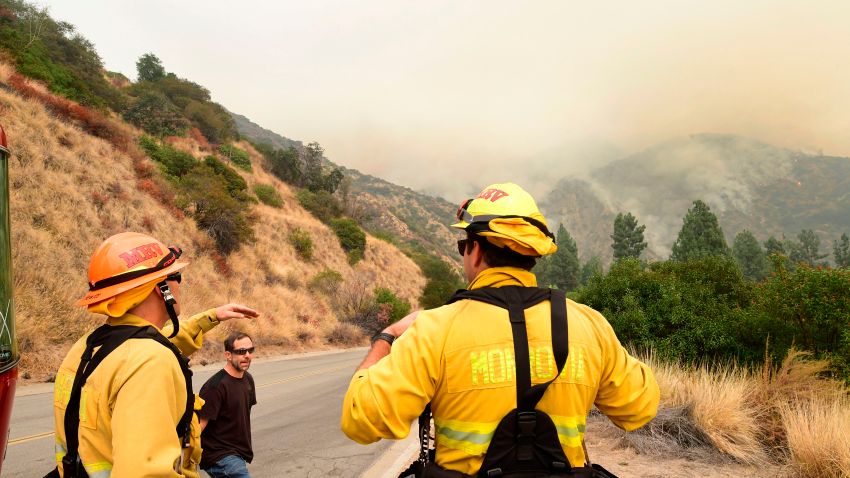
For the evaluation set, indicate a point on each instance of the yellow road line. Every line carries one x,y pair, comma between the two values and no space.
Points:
310,374
38,436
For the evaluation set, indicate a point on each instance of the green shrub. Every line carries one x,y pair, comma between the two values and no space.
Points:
302,242
269,195
394,306
326,282
354,256
155,114
441,281
236,185
385,236
810,308
238,157
174,162
322,204
692,310
283,163
351,238
216,212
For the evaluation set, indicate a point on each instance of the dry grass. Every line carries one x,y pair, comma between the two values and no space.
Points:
792,416
70,190
818,434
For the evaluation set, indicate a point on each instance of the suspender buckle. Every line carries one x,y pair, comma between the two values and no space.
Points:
526,424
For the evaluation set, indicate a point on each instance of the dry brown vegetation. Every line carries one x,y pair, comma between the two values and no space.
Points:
787,420
70,190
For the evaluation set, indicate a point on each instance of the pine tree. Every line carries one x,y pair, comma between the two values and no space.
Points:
591,268
700,235
807,251
311,156
628,237
563,268
841,252
749,255
774,246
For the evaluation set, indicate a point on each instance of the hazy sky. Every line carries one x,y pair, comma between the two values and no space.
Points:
447,95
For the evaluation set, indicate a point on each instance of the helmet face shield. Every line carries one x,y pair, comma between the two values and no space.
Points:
462,214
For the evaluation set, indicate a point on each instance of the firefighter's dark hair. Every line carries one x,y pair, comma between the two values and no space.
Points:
496,256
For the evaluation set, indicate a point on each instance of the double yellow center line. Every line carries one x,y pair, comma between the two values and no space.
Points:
38,436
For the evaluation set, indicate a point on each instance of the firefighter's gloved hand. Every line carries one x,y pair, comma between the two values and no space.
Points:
399,327
234,311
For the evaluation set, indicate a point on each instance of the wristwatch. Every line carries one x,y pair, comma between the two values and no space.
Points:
389,338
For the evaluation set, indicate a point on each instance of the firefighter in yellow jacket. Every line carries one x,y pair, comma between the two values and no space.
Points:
133,400
459,357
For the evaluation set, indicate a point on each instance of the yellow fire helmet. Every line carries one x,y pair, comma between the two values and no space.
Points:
508,217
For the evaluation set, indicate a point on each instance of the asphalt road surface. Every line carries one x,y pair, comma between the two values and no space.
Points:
295,423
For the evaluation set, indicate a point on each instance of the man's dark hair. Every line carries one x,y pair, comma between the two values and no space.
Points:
496,256
233,337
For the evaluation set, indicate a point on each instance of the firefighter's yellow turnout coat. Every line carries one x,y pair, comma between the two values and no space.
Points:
131,404
460,358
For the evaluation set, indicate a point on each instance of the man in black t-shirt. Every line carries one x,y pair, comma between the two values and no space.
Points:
226,415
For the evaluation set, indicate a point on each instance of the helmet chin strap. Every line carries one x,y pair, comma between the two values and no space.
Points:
169,300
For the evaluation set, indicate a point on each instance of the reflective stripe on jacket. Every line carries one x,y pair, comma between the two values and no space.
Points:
460,358
131,403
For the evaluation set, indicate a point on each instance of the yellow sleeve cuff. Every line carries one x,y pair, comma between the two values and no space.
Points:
206,320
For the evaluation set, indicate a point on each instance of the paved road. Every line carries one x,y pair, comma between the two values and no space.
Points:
295,422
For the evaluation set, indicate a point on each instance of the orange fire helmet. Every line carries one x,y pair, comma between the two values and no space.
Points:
128,260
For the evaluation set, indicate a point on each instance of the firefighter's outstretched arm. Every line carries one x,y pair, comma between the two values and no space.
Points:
190,337
628,392
388,392
381,348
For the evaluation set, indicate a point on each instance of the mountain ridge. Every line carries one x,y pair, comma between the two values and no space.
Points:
413,217
748,184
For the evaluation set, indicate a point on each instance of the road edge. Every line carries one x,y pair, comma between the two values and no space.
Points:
397,457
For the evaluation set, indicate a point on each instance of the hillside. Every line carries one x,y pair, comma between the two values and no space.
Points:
385,208
769,190
70,190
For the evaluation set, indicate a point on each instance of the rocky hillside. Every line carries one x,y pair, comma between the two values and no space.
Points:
748,184
387,209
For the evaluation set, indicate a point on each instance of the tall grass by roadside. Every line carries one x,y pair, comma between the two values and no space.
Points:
793,415
818,434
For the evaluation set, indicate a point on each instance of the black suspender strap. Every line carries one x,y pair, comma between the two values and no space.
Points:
516,314
560,347
106,339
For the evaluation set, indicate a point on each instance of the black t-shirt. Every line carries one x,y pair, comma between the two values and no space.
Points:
227,406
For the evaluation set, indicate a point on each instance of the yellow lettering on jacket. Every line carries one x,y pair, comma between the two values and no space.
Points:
497,366
492,366
84,416
62,388
480,371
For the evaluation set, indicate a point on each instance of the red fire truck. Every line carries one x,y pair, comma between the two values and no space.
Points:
9,355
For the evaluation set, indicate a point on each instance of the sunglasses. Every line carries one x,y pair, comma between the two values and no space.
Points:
249,350
176,277
461,246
